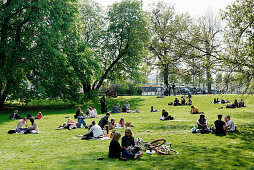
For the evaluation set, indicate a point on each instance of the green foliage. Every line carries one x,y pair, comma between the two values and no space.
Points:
239,38
34,37
128,89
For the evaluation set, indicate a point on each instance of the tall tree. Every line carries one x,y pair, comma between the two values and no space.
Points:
165,26
239,38
122,43
33,35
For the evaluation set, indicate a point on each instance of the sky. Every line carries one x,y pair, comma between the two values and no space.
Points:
194,7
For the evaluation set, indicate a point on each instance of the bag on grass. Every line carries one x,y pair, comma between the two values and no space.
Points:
11,131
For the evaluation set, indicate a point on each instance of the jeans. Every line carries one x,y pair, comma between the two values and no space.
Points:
80,122
128,154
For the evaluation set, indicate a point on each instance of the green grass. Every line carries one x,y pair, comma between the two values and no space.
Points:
51,149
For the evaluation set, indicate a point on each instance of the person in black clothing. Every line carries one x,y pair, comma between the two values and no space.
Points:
165,115
15,115
176,102
183,101
173,88
103,104
220,127
115,149
128,141
104,120
78,113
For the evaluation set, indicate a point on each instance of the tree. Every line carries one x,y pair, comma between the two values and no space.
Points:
123,43
165,26
239,38
33,37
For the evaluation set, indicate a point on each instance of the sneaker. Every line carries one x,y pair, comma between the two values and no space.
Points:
138,155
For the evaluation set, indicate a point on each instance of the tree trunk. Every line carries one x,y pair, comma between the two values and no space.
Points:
111,66
165,77
86,87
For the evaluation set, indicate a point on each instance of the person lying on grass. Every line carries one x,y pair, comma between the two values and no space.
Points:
194,110
230,126
40,116
70,124
220,127
115,150
94,132
128,141
153,110
202,122
22,122
34,129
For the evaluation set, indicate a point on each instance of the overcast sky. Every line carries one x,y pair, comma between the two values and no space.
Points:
194,7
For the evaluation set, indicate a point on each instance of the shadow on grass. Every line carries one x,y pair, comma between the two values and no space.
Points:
63,108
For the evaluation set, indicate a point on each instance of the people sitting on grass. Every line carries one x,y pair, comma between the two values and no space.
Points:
40,116
94,132
222,101
121,123
183,101
128,141
165,115
78,112
125,108
153,110
15,115
115,109
241,103
189,102
70,124
92,112
22,122
116,151
233,105
230,126
81,121
112,124
176,102
220,127
194,110
128,106
104,120
202,123
34,129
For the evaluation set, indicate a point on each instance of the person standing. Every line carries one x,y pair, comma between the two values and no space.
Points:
103,104
173,88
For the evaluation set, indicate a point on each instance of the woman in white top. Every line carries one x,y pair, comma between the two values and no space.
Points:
230,126
34,128
20,125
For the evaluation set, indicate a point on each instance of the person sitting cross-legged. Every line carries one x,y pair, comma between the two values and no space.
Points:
202,122
220,127
34,129
22,122
194,110
165,115
104,120
230,126
128,141
94,132
116,151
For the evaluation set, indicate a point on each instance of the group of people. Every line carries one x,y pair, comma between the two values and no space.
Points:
220,127
22,127
91,112
127,150
182,103
236,104
16,116
118,109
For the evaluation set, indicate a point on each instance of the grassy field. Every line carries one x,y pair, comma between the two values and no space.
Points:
51,149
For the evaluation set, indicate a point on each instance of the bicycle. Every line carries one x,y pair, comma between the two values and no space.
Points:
156,146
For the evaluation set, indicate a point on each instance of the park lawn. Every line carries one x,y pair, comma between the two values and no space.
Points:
56,149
